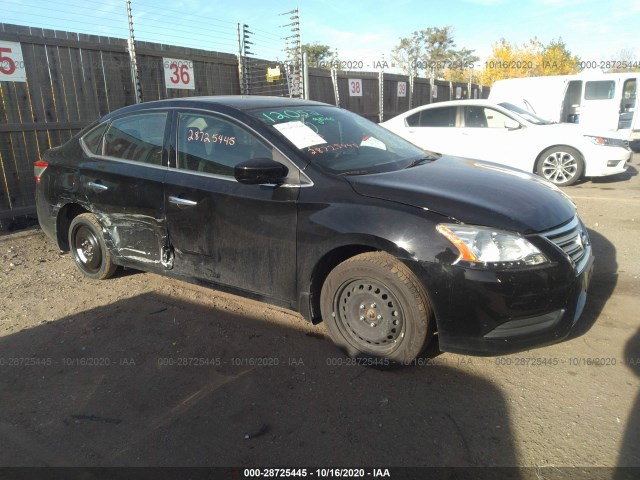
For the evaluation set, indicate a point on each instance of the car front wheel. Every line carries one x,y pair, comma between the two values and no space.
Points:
374,306
88,249
560,165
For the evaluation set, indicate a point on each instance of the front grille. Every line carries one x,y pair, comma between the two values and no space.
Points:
572,239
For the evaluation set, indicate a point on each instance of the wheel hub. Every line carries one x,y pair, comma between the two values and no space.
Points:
559,167
369,313
87,249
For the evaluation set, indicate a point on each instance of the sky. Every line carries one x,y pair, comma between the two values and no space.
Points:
361,31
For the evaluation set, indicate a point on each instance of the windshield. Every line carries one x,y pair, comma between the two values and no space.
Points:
341,142
528,116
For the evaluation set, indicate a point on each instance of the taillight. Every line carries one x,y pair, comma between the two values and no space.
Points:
38,169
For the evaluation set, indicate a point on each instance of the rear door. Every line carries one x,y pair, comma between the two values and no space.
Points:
243,236
434,129
122,181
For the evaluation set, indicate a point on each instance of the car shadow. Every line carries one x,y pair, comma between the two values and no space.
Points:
628,174
154,380
630,449
603,282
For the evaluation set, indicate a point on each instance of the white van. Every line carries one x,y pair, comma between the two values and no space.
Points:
598,102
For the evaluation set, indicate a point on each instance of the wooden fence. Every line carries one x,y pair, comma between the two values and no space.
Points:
73,79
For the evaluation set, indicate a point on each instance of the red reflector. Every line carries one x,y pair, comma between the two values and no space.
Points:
38,169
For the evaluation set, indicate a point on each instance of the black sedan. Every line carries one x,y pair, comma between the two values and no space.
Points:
308,206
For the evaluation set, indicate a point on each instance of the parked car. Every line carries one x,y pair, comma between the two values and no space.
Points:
507,134
314,208
600,102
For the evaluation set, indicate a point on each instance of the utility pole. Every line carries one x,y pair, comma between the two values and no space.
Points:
244,35
132,56
294,53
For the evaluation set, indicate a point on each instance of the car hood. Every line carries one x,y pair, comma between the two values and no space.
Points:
473,192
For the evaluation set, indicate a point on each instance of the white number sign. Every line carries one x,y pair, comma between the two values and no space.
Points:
294,80
178,73
11,63
355,87
402,89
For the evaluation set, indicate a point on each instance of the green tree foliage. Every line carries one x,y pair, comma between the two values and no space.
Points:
318,55
432,52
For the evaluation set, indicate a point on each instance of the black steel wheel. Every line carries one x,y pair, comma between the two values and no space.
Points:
374,306
88,248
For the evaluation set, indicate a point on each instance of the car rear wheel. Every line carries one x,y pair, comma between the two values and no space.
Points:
88,249
374,306
560,165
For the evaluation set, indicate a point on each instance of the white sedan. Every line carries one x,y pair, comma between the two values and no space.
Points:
506,134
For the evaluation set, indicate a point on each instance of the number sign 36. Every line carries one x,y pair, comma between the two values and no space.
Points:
178,73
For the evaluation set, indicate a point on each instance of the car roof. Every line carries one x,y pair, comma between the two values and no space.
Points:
239,102
448,103
452,103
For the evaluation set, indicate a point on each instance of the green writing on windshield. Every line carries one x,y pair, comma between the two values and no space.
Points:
277,116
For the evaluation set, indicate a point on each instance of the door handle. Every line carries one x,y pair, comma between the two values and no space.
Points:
97,187
182,202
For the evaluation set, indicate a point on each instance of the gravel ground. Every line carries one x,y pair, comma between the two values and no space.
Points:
141,370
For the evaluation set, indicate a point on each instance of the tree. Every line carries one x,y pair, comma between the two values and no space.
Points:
461,69
558,60
531,59
624,61
318,55
431,51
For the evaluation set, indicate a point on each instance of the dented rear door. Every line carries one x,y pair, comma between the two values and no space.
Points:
122,181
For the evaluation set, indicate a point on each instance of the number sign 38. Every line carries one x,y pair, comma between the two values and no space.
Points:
355,87
178,73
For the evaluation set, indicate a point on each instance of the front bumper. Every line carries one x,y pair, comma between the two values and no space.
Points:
483,312
609,161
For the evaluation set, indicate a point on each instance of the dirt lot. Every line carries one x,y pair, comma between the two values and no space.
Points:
143,370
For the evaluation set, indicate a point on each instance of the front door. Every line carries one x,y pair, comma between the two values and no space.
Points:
243,236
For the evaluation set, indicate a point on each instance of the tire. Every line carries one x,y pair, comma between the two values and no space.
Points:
374,306
88,248
560,165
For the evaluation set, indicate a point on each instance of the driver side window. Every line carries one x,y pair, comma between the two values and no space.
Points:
211,144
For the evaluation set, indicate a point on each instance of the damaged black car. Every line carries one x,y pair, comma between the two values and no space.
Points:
311,207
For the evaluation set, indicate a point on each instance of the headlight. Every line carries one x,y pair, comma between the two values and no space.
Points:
483,247
610,142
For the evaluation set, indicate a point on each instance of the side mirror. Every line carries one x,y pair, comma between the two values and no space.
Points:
259,171
511,125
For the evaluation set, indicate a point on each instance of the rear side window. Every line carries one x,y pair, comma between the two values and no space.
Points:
137,137
599,90
434,117
93,139
413,120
